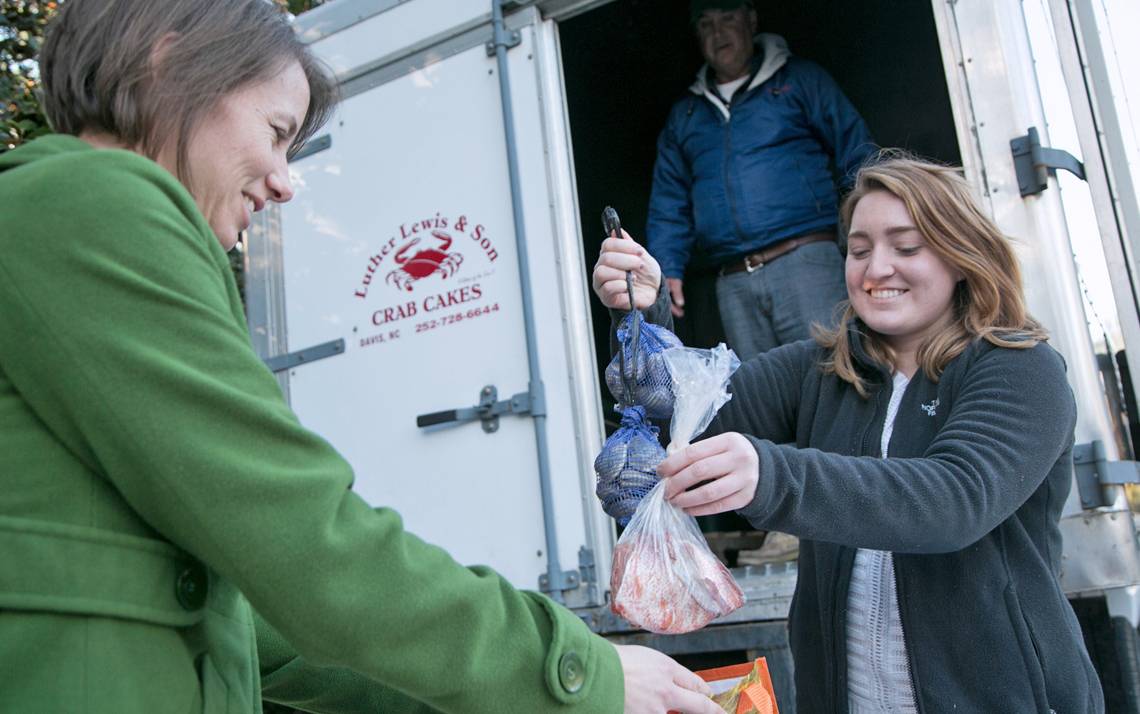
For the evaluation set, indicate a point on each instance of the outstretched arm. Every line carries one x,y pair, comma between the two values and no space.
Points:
1009,427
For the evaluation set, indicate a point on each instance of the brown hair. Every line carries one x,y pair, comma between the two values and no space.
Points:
146,71
989,303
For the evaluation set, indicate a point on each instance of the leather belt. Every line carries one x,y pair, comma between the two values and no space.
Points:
752,261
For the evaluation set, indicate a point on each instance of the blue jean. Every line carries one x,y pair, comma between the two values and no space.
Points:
778,302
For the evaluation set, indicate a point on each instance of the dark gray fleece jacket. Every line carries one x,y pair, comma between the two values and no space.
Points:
969,504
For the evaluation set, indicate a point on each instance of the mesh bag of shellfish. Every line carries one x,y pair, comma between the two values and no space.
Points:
637,374
627,465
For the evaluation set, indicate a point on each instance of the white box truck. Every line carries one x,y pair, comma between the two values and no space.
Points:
424,298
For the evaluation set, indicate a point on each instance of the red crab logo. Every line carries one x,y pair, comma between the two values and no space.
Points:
424,262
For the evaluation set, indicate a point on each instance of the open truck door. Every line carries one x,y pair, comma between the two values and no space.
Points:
1023,73
1095,86
392,296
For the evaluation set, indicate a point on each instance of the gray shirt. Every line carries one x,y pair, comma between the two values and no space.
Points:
878,671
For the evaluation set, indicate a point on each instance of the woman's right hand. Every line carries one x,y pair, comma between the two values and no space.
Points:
619,255
655,684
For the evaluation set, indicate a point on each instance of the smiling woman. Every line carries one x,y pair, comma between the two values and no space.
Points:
927,272
898,285
237,156
922,453
171,537
196,101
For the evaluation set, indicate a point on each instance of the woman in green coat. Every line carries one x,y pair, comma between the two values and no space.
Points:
171,538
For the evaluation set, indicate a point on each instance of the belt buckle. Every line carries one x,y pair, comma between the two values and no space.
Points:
749,266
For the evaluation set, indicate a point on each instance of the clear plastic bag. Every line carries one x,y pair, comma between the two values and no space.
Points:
700,388
664,578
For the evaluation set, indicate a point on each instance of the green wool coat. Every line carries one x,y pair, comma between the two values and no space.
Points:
156,491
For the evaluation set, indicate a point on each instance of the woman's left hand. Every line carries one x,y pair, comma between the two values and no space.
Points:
725,464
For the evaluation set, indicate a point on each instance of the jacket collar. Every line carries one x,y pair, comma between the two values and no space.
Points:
878,373
873,371
774,54
45,147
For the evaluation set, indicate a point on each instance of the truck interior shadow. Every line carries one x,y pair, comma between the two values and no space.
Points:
625,64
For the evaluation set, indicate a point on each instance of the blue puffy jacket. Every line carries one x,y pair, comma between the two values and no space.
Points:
731,180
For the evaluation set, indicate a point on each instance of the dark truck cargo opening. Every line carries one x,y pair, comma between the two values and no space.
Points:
625,64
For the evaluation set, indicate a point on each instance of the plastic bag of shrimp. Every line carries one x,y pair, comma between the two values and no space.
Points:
665,579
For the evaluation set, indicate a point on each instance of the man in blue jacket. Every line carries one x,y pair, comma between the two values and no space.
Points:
744,175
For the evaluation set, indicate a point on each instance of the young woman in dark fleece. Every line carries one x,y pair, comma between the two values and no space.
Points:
921,451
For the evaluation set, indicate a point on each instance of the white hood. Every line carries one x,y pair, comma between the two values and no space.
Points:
775,52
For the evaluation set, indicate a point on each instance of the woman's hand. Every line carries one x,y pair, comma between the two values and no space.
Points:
655,684
726,464
619,255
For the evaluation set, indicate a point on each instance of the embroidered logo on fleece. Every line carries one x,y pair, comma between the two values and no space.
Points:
930,409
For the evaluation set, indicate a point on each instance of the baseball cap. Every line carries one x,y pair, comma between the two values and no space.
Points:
696,7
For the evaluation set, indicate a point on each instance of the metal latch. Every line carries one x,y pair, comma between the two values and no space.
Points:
1035,163
280,363
1094,471
487,410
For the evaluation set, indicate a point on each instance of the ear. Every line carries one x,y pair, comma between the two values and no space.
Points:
159,52
753,22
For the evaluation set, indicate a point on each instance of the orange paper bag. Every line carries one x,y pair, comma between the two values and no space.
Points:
742,688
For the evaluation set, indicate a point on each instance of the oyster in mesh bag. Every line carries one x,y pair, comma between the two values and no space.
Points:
627,465
652,387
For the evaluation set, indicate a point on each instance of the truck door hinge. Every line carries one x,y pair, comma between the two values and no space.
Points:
566,580
510,39
1035,163
501,36
586,573
1095,471
280,363
488,409
586,566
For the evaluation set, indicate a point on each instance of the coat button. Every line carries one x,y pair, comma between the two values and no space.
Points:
191,586
571,672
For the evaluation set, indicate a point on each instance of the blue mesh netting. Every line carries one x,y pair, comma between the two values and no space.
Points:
627,465
650,381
